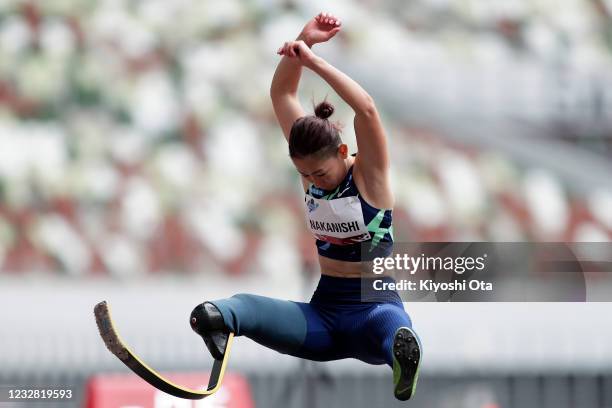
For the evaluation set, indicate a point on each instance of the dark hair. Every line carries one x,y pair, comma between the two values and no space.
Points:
315,134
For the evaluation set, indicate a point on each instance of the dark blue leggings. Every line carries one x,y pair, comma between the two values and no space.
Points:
337,323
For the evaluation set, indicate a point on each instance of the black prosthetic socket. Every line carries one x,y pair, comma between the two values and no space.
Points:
207,321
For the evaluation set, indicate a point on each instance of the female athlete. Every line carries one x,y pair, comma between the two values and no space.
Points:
348,204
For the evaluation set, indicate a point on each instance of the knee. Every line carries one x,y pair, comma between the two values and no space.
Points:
390,314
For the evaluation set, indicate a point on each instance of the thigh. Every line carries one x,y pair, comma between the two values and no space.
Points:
275,323
294,328
323,342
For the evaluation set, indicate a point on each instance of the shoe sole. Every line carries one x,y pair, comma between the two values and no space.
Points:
407,355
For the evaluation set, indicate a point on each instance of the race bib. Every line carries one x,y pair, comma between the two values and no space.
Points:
338,221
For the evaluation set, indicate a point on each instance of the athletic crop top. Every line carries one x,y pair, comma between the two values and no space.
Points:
346,227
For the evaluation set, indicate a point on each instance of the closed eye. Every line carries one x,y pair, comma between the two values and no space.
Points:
315,174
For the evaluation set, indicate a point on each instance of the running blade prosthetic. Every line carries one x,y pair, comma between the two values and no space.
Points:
115,345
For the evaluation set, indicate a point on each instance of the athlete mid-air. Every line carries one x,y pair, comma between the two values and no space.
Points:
348,203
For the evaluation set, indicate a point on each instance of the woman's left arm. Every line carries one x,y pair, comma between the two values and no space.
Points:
371,139
373,157
372,162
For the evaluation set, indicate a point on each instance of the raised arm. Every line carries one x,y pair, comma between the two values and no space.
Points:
285,82
372,162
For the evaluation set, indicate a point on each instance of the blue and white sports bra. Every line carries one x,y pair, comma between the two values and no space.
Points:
346,227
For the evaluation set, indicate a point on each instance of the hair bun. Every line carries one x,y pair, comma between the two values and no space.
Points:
324,110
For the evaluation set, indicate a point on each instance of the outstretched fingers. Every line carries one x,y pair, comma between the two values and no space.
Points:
327,18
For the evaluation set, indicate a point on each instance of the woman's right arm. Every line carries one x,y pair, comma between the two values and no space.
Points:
285,82
283,92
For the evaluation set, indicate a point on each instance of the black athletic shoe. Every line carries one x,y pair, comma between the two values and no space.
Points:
207,321
406,362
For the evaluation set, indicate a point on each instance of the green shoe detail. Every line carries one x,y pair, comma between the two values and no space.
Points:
407,353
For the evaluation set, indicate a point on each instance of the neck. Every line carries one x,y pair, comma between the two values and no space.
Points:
348,162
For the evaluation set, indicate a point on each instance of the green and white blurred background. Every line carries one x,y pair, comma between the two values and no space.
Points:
141,163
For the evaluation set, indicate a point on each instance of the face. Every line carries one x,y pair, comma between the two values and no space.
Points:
323,173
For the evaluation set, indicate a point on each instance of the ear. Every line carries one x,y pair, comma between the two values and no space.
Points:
343,150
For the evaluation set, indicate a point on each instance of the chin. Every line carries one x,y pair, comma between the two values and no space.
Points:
327,186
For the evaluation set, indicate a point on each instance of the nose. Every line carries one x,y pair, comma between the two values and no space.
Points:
321,182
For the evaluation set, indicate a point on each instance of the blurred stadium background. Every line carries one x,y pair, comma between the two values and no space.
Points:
140,162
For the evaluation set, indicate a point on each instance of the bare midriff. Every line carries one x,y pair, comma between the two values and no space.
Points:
342,269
